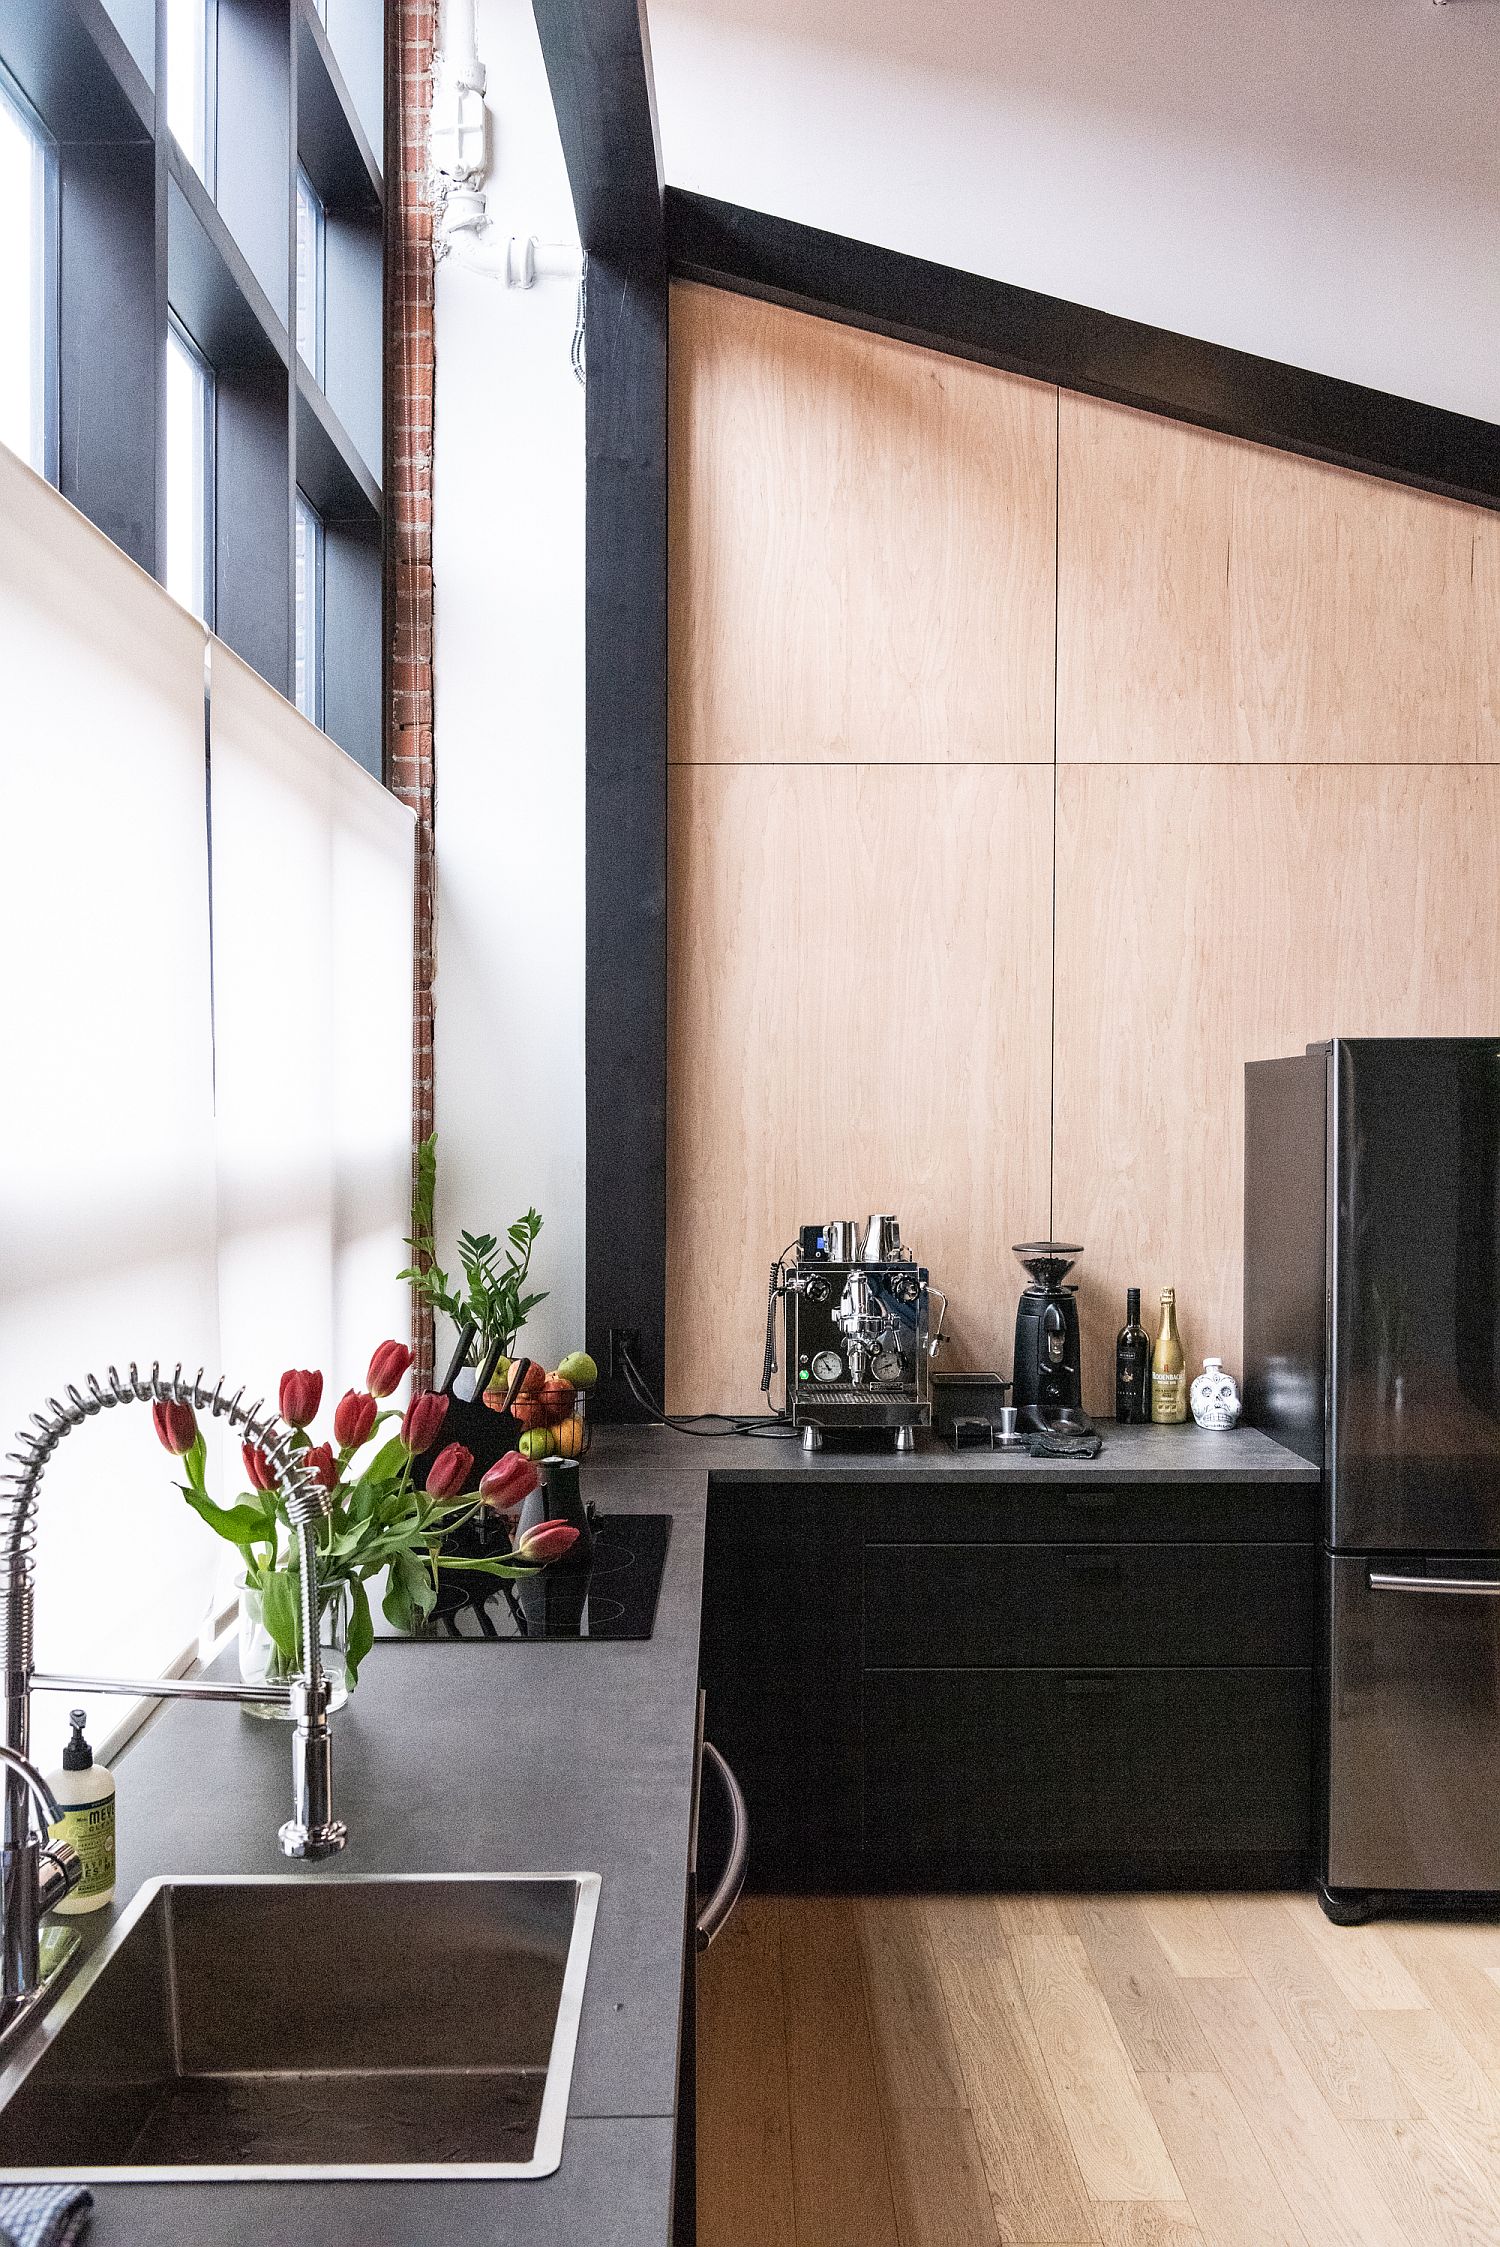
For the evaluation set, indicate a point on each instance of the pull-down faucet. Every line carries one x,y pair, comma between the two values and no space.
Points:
35,1875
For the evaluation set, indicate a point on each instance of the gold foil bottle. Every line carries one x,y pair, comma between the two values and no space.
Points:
1169,1386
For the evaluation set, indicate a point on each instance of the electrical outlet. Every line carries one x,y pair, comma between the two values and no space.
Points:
624,1341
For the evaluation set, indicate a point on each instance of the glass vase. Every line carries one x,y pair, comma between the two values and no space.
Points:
263,1663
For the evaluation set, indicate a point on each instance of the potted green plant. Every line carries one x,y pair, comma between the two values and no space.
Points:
491,1306
380,1520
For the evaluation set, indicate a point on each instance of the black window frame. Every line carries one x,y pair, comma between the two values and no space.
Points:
315,581
209,12
207,526
12,93
317,358
140,240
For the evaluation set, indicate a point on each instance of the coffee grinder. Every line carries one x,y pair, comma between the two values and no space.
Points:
1048,1381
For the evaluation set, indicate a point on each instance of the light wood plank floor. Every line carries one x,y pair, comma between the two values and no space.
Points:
1100,2071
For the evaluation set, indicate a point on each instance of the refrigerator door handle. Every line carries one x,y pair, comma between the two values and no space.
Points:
1455,1587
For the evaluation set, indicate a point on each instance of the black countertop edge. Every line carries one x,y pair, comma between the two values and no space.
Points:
614,2189
1185,1454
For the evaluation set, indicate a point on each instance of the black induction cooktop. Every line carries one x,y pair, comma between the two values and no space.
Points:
612,1597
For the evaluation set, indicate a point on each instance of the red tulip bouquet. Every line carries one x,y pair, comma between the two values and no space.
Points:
380,1519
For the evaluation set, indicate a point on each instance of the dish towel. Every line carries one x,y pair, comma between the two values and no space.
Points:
1059,1446
44,2215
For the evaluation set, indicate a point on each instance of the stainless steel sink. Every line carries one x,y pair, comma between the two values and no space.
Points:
418,2026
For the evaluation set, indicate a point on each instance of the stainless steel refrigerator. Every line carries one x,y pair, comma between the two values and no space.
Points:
1372,1347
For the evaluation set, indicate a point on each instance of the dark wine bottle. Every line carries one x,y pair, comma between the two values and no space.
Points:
1133,1366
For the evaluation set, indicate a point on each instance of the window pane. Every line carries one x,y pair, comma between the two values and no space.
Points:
189,475
23,287
314,1190
187,79
310,284
309,612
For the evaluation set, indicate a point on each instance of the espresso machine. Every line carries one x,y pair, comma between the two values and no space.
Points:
857,1336
1048,1379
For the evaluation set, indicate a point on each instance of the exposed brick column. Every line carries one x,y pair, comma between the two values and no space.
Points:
411,36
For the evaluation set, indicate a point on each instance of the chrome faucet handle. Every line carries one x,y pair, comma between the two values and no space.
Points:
59,1871
38,1873
26,1771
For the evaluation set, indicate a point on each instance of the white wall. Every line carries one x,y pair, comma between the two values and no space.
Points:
1314,180
508,599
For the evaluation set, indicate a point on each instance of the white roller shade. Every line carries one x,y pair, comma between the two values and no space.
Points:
107,1173
374,870
312,980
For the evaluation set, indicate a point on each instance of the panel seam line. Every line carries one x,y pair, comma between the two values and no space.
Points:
1052,978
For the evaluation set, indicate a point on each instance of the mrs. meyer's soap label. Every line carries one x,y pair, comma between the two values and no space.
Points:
90,1827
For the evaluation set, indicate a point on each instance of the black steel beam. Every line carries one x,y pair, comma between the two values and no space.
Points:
1080,349
599,67
598,58
625,816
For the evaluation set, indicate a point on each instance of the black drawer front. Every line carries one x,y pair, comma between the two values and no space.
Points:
1140,1606
1092,1513
962,1762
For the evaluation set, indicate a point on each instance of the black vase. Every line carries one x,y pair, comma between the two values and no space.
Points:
553,1601
561,1499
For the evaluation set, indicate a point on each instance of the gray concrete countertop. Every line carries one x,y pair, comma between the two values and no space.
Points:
474,1757
1186,1454
553,1757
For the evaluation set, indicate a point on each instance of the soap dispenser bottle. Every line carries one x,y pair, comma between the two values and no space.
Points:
86,1793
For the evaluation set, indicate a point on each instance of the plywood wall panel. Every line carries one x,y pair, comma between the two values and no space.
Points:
1212,916
1221,602
1277,801
860,1019
1487,607
862,546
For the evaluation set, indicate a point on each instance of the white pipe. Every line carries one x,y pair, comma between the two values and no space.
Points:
458,44
460,164
520,261
459,141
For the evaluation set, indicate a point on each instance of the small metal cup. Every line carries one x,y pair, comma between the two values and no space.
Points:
842,1236
1005,1420
882,1240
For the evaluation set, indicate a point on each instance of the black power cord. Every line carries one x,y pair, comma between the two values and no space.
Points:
772,1425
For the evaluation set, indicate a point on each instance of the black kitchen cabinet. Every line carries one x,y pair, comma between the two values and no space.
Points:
1092,1511
1008,1778
781,1672
1017,1684
1200,1606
